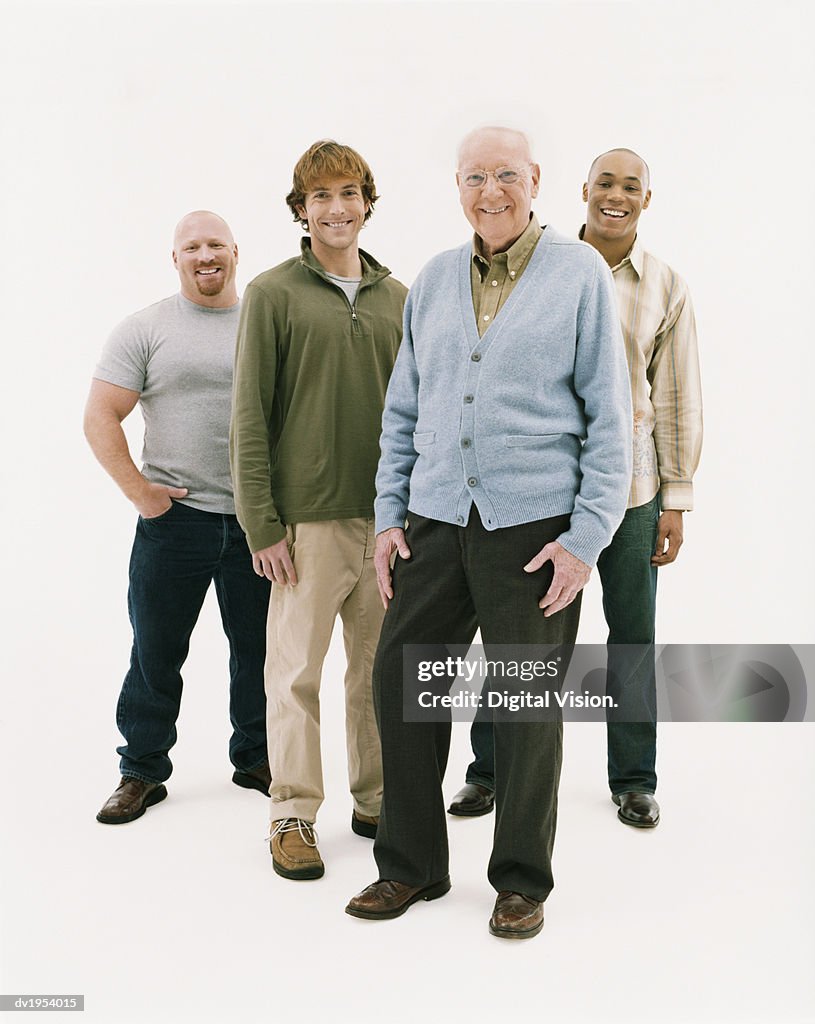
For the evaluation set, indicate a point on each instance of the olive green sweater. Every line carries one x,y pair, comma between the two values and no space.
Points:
311,372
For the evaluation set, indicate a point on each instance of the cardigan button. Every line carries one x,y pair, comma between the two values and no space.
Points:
472,481
476,357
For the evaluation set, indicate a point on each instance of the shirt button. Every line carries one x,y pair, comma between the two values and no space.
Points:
472,481
476,357
466,442
486,317
468,399
495,284
512,273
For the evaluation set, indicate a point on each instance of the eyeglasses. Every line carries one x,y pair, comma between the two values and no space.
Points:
477,177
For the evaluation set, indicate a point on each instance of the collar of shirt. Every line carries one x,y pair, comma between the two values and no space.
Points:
634,255
516,255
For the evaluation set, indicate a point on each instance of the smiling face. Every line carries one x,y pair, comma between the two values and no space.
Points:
335,210
617,192
498,212
206,257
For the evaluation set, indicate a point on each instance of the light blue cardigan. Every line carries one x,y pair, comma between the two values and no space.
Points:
531,420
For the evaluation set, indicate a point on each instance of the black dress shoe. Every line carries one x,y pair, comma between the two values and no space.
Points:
364,825
471,801
638,809
259,778
130,800
385,899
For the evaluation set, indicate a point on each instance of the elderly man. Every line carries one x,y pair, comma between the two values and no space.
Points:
174,358
660,343
506,446
317,341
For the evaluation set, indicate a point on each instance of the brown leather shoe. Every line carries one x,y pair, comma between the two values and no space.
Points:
516,916
259,778
364,825
130,800
385,899
472,800
638,809
294,849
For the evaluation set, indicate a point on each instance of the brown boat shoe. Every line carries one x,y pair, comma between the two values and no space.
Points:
293,845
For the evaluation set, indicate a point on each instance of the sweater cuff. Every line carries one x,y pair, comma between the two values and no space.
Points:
264,537
386,517
676,497
582,543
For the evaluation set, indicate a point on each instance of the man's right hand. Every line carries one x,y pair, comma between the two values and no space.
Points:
275,564
156,499
386,543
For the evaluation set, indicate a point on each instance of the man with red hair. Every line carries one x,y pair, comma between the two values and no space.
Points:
317,341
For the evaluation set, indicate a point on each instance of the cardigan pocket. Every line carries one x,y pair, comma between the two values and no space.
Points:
428,437
523,440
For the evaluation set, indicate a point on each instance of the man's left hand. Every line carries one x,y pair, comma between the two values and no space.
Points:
669,538
571,575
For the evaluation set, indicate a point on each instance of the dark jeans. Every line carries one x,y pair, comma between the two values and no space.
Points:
629,603
456,580
175,557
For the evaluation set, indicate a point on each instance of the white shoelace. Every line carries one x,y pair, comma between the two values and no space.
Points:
305,829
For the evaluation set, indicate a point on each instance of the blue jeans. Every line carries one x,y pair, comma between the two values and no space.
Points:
629,603
175,557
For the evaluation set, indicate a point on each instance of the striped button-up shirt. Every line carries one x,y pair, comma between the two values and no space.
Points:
659,330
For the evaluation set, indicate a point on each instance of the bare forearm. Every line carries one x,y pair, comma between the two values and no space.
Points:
108,443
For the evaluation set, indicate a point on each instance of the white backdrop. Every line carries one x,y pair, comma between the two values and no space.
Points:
119,118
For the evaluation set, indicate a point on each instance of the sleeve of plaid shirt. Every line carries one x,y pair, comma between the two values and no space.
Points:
676,396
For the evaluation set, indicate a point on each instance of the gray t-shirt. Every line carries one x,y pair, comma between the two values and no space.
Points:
179,356
350,285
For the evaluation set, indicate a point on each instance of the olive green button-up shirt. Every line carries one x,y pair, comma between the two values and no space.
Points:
493,280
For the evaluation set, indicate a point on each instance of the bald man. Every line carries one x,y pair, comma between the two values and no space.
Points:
506,445
174,359
659,329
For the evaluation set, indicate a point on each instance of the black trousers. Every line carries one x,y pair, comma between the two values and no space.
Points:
459,579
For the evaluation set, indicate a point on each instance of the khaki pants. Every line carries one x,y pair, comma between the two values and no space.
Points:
335,572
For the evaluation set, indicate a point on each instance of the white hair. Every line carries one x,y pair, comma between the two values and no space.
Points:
520,136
